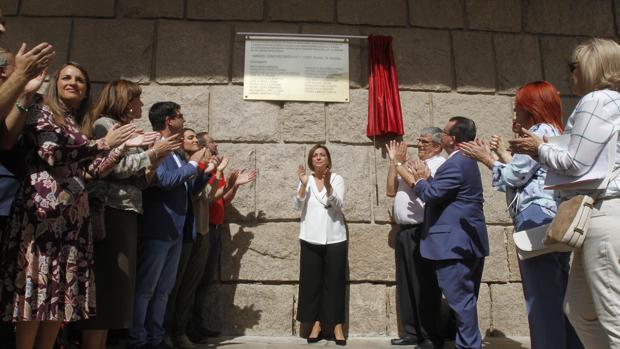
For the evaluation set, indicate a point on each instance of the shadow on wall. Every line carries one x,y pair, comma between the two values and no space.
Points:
224,315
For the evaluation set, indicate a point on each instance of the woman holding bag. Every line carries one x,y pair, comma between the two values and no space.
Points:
592,301
538,109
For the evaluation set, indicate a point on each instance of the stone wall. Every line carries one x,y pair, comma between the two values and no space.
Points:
463,57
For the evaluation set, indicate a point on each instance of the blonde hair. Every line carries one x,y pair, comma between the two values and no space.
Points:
599,64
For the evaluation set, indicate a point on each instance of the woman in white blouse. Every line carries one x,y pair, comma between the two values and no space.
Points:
592,300
323,239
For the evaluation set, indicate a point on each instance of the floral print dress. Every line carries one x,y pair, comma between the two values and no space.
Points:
47,250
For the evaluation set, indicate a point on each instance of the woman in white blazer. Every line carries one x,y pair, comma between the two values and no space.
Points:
323,240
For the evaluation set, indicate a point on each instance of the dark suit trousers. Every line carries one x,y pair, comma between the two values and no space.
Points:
416,284
459,280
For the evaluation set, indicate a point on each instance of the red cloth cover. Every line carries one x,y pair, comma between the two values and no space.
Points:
384,114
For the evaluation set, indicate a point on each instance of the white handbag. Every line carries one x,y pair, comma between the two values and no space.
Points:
531,243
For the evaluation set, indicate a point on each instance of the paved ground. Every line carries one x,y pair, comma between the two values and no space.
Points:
251,342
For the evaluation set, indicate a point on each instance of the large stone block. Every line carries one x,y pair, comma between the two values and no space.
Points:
233,119
243,10
474,61
423,57
514,275
436,13
358,50
509,309
9,7
394,327
371,258
262,252
492,114
373,12
277,180
556,54
238,58
495,207
484,309
518,61
301,11
416,109
303,122
151,9
33,31
102,8
251,309
132,39
353,164
494,15
572,17
496,264
347,122
568,105
242,157
194,102
367,310
183,59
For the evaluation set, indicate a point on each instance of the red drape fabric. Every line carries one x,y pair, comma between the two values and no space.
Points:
384,114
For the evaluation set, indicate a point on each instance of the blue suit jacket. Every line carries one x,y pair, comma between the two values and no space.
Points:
454,220
168,212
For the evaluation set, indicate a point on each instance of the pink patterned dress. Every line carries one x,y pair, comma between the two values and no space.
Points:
47,248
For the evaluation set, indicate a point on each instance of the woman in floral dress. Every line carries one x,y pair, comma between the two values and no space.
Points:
47,247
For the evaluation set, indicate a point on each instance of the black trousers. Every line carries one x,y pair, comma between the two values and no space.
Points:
322,283
417,288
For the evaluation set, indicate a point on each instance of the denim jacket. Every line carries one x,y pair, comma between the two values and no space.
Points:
523,179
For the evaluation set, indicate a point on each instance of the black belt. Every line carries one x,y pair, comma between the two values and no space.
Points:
409,226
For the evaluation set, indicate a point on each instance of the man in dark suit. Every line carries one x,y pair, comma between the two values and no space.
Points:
167,221
455,236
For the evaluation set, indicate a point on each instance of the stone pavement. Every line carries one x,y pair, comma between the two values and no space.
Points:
263,342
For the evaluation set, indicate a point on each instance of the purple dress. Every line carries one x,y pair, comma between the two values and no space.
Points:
47,247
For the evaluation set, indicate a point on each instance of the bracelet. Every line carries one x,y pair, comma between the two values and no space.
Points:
202,166
21,108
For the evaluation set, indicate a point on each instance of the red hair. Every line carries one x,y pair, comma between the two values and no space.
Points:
542,101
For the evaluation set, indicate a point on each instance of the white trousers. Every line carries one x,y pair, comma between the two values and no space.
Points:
592,302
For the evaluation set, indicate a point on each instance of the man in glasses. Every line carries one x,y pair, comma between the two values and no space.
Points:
455,235
414,275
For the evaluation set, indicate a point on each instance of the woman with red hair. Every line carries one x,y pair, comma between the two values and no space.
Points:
545,276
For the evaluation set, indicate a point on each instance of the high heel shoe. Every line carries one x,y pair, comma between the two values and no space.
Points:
314,339
341,342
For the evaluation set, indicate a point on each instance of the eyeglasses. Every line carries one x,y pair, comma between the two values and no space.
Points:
572,66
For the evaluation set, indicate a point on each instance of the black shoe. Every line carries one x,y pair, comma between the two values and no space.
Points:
407,340
341,342
428,344
311,340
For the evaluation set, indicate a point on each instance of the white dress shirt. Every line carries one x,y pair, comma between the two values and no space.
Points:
408,208
322,221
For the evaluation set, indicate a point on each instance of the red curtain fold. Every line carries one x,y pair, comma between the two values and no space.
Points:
384,114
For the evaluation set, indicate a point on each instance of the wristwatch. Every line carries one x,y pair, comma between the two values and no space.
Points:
398,164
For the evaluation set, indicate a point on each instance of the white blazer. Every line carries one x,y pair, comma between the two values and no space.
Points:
322,221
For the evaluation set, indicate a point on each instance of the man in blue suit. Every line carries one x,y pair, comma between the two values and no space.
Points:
167,221
455,236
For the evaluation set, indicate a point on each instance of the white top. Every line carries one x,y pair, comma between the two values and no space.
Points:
408,208
595,118
322,221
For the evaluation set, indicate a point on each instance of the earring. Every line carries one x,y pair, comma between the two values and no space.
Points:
130,110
